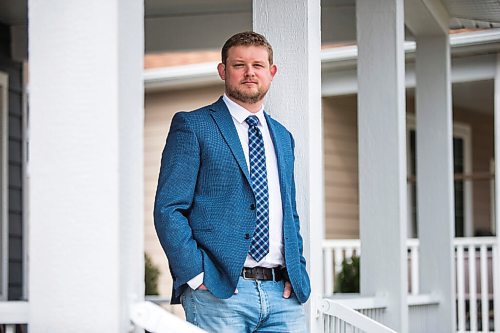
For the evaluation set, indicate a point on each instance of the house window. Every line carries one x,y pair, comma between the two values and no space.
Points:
462,165
4,234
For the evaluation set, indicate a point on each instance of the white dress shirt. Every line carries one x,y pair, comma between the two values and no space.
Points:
275,256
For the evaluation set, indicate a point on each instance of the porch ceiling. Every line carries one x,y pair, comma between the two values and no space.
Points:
475,96
200,20
338,20
484,10
13,12
155,8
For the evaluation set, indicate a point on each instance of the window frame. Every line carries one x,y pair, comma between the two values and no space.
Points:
4,187
461,131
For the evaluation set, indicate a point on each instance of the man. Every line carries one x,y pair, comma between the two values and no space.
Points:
225,209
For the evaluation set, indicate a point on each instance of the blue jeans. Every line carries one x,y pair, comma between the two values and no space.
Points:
259,306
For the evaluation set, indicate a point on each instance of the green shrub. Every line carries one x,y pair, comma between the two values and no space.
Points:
348,279
151,275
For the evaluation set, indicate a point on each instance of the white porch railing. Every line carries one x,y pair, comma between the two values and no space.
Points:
146,315
477,287
354,313
477,278
13,313
155,319
336,250
346,315
478,283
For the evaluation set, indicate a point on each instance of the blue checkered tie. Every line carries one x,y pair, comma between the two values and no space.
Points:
258,174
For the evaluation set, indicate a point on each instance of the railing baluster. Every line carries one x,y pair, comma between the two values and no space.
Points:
484,288
338,263
328,269
414,270
472,288
461,288
496,287
348,252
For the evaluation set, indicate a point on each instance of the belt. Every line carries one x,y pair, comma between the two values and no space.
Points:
265,274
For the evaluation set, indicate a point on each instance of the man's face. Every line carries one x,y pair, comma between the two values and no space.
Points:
247,73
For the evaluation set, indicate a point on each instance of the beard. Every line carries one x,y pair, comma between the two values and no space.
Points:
246,97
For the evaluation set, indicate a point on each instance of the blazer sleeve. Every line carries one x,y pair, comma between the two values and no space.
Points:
174,197
296,218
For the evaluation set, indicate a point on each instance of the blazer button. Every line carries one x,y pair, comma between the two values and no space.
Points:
247,236
252,206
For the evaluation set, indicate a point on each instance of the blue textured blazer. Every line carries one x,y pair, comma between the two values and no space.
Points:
203,208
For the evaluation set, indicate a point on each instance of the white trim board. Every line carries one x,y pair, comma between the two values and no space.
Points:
462,131
206,73
493,225
25,187
4,179
343,81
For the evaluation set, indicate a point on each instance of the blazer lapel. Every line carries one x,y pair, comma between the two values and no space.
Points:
278,142
224,121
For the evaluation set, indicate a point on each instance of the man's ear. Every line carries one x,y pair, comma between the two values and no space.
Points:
221,68
273,70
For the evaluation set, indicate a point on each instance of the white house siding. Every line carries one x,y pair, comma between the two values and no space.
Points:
341,164
159,110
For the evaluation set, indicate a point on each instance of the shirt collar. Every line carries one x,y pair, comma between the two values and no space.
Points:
240,113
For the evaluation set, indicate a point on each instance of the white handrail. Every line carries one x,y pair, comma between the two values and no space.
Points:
359,302
464,241
14,312
155,319
423,299
354,318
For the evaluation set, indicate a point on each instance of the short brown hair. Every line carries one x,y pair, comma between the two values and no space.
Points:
247,38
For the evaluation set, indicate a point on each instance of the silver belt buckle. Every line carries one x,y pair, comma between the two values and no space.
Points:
245,275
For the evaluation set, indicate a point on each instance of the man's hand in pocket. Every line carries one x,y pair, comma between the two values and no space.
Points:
202,287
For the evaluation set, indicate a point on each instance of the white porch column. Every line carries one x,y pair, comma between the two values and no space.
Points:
496,254
428,21
293,28
382,155
85,168
434,138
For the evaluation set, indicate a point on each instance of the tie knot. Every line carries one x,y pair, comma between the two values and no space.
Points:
252,121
